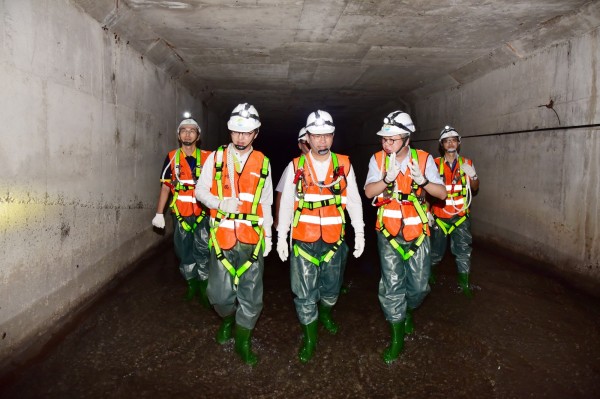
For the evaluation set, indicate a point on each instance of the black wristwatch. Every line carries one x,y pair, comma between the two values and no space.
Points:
426,182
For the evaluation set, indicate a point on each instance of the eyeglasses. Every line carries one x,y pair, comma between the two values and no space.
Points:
386,140
244,134
321,136
187,131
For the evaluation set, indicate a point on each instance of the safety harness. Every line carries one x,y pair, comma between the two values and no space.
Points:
336,190
177,186
448,228
251,217
417,202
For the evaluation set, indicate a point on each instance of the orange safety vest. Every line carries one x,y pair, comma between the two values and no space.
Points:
183,181
400,214
230,231
315,219
455,181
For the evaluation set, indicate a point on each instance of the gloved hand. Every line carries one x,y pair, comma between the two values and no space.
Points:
393,169
359,244
229,205
159,221
282,249
415,172
268,246
431,220
468,170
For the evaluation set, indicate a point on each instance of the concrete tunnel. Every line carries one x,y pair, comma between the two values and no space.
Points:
92,92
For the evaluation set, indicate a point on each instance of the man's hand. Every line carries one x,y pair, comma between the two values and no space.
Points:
268,246
415,172
468,170
282,249
359,244
159,221
230,205
393,169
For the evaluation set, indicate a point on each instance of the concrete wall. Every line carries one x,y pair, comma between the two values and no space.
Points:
539,190
86,124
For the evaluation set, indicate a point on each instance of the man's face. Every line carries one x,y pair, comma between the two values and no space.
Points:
450,144
188,134
243,139
320,142
393,144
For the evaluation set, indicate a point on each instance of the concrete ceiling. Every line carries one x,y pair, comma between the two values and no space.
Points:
289,57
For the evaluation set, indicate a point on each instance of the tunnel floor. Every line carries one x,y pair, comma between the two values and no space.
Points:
523,335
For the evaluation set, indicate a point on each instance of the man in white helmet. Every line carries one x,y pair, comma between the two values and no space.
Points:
452,214
236,186
304,148
181,171
318,188
398,179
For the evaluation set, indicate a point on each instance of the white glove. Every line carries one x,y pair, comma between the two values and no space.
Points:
359,244
159,221
431,220
468,170
393,168
282,249
268,246
415,172
229,205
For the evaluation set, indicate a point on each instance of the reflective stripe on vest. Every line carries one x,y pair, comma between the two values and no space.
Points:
318,214
183,182
456,187
406,214
229,228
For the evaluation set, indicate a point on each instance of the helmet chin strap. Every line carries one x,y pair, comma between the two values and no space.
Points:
241,147
323,152
187,143
451,150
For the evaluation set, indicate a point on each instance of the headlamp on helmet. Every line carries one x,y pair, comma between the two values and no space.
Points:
447,132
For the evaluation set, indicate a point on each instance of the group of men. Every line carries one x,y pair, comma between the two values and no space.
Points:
221,206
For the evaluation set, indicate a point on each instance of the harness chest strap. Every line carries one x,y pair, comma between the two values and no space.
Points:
186,187
312,205
421,211
252,217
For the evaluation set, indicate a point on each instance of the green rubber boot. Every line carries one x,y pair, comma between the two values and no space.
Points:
325,319
309,341
225,331
463,282
242,345
192,289
432,276
409,326
202,297
392,352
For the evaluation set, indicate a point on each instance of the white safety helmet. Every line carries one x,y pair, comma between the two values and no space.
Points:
449,131
244,118
302,135
188,121
319,122
397,122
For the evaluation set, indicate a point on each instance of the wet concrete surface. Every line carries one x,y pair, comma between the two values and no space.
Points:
523,335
